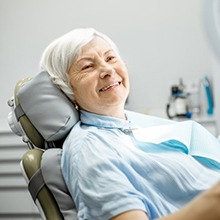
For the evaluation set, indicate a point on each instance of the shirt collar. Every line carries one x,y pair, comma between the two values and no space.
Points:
103,121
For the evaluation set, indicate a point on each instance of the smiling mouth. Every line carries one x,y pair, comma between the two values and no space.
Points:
109,86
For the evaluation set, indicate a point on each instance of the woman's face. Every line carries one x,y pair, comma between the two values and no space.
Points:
99,79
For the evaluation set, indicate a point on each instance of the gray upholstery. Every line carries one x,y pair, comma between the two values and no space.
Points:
42,196
48,109
51,171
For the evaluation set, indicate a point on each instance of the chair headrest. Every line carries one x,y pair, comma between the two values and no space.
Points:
42,109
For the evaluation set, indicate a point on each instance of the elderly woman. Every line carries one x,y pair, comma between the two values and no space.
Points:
110,174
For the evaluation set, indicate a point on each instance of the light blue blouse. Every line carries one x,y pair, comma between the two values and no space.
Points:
109,172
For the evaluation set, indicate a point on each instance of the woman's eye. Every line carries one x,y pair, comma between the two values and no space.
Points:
110,58
87,67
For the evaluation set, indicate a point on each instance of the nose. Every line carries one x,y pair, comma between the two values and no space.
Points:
106,69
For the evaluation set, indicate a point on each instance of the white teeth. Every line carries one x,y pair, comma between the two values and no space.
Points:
110,86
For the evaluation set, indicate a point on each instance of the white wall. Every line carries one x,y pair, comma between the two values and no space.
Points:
161,41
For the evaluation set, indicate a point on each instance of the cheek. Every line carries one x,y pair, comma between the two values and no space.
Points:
124,73
75,88
123,68
83,91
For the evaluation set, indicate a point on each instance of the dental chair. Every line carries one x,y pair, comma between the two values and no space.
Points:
43,116
35,117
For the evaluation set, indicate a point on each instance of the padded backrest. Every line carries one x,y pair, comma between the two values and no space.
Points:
51,172
42,196
42,172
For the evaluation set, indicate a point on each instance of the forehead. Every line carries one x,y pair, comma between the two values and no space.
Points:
97,44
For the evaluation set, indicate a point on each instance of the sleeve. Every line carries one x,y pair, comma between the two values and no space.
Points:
99,182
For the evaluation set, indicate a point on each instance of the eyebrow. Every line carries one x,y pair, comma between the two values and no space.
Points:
90,58
83,58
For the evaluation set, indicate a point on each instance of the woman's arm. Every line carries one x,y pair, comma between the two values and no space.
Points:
205,206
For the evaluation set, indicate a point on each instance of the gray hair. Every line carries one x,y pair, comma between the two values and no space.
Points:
58,56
